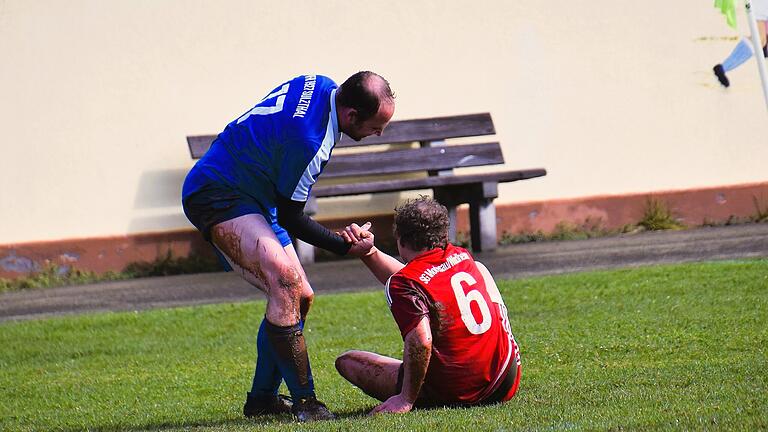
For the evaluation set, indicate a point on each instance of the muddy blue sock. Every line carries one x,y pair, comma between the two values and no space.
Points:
290,353
267,378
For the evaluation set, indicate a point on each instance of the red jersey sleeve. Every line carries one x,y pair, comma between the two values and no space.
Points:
406,302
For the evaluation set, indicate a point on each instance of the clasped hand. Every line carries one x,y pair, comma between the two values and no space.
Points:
361,239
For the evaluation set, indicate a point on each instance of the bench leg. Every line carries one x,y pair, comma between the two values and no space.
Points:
305,251
451,224
482,222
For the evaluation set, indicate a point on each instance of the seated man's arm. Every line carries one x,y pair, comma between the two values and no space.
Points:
416,355
381,264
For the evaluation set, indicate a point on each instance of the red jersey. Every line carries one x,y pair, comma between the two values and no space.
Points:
472,345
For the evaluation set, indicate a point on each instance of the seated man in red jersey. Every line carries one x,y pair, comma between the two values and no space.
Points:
458,347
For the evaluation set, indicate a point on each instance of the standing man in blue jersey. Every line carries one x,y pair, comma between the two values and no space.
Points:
246,195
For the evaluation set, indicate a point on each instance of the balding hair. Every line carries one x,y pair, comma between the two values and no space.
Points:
364,92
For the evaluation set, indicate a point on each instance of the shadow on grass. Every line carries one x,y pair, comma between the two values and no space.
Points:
161,426
258,421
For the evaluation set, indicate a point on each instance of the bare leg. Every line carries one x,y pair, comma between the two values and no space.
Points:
763,28
374,374
254,251
307,294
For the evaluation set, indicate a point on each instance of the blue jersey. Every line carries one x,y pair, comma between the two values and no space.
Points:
280,146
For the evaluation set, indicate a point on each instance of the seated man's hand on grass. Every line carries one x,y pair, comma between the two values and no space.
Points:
396,404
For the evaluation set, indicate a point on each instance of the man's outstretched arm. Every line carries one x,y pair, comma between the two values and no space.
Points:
291,216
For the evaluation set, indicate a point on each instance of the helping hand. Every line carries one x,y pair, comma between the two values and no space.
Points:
361,239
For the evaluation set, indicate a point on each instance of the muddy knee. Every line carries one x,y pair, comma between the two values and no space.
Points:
289,278
283,307
341,363
345,361
288,287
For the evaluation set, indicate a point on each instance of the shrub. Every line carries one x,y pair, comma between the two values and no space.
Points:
657,216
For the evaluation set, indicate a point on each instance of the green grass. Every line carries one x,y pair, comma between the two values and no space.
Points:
679,347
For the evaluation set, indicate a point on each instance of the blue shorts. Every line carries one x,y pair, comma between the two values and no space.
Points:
213,204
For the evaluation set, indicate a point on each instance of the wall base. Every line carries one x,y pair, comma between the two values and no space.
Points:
693,207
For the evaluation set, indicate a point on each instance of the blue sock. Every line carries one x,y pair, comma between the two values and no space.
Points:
267,378
739,55
290,354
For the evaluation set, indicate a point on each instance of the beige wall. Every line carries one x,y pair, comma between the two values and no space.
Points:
612,97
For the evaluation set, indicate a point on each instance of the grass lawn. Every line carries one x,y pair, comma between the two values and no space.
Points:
671,347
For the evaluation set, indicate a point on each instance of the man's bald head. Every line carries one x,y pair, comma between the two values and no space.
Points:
365,92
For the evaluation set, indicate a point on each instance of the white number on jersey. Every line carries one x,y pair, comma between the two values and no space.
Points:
265,110
465,300
495,295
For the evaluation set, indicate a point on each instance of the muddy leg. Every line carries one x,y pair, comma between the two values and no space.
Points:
374,374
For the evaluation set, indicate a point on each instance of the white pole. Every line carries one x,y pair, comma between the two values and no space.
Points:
758,50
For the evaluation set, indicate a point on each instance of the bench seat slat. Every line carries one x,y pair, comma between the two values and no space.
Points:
412,160
398,185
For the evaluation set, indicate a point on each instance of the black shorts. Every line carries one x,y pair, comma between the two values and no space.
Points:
213,204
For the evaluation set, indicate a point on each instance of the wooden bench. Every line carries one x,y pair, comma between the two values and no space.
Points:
399,166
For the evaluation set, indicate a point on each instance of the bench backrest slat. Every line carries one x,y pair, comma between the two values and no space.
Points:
428,129
402,131
199,144
413,160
